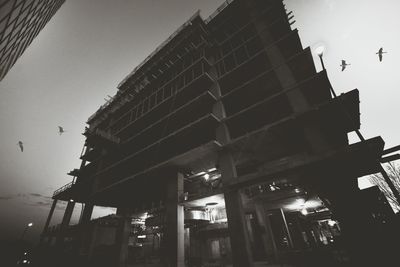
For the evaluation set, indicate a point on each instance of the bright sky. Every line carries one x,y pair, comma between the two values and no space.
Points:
89,46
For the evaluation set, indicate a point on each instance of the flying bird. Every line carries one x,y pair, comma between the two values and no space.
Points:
60,130
344,64
21,145
380,54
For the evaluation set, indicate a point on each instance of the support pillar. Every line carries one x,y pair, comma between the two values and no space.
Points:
65,222
84,235
174,234
46,225
267,235
87,213
122,236
239,236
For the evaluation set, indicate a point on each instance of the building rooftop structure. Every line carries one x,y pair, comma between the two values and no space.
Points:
225,146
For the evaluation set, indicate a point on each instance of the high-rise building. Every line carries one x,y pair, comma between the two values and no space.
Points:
20,23
224,146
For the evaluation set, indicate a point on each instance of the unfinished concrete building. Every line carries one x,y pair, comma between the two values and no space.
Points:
224,147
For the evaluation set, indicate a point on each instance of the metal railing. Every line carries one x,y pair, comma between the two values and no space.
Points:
219,10
63,188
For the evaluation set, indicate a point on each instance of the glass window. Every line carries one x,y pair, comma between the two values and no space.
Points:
254,46
15,12
139,111
159,96
187,61
167,91
236,40
248,32
22,16
197,70
229,62
241,55
9,29
179,82
133,115
188,76
2,45
226,48
5,9
152,101
221,68
145,105
2,25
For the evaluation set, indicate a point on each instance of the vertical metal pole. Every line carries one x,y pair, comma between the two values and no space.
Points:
322,61
287,228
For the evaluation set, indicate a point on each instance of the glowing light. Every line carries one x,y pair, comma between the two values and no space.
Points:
141,236
212,169
200,173
331,223
24,261
304,211
25,253
297,190
144,216
71,200
30,224
206,176
319,50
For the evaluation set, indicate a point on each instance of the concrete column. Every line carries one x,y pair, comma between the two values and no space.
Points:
65,222
239,237
84,220
285,75
240,244
122,236
46,225
267,235
92,241
87,213
174,235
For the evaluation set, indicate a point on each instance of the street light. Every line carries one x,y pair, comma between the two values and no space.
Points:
320,52
26,228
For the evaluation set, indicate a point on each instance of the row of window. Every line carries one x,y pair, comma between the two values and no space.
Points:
186,51
237,40
162,94
169,80
230,26
239,56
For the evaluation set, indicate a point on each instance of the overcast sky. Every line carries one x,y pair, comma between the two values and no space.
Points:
89,46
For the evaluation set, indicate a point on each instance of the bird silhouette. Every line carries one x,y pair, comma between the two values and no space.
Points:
21,145
60,130
380,54
344,64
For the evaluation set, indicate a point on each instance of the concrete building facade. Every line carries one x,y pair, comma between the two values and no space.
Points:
225,147
20,23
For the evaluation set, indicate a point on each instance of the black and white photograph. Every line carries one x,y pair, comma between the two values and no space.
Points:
199,133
